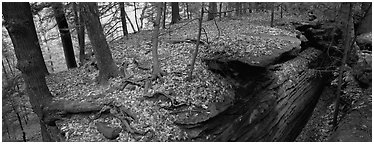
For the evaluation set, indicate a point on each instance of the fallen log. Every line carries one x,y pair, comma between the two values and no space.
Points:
273,106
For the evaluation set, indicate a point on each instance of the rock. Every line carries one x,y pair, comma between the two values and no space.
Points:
364,41
107,131
130,87
362,70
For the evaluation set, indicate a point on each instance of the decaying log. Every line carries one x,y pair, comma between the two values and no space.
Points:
271,108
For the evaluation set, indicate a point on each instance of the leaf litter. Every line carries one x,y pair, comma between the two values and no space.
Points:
239,38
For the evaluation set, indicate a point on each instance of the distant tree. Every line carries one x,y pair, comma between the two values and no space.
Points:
272,15
156,71
123,18
78,18
174,12
212,10
192,65
136,17
164,16
63,27
20,25
220,10
107,67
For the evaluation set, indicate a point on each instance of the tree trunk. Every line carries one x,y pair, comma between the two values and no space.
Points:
156,63
347,45
123,18
107,67
281,10
212,10
174,12
272,15
136,17
164,16
132,26
220,10
21,28
192,65
78,18
65,34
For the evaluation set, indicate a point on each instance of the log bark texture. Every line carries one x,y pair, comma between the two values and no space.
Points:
274,106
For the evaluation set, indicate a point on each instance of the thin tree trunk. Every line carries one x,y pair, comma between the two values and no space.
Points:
156,73
136,18
220,10
192,65
132,26
281,11
80,32
142,14
107,67
347,44
272,16
164,16
123,19
20,25
65,35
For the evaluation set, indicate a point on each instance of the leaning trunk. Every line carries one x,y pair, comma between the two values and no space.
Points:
123,18
107,67
65,35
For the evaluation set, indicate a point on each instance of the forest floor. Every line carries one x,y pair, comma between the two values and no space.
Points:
133,54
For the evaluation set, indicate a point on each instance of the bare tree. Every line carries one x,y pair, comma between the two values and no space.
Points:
156,72
164,16
272,15
107,67
197,44
63,27
123,18
78,18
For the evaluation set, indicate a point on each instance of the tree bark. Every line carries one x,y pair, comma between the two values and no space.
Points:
107,67
65,34
212,10
78,18
275,106
174,12
123,19
156,71
192,65
21,28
